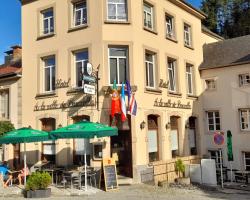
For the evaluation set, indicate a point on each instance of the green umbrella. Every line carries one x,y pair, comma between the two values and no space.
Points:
84,129
24,135
230,156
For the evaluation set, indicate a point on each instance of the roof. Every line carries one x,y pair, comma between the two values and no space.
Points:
6,70
211,33
226,53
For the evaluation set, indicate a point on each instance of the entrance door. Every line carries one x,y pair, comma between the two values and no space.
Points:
16,156
192,136
121,148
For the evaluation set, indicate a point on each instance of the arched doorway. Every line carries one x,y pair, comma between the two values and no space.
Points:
174,134
192,135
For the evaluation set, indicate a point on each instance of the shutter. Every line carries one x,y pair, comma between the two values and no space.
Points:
81,145
49,148
174,140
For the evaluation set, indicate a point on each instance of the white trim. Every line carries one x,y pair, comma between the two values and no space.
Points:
116,10
50,67
172,70
214,120
189,75
81,10
49,19
187,35
148,15
147,69
248,119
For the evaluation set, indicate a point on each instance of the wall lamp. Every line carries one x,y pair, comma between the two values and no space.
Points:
187,125
142,124
168,125
60,126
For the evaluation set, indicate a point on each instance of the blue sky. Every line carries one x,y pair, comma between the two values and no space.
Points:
10,23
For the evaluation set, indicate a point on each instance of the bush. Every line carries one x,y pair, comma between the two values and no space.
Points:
5,126
38,181
180,167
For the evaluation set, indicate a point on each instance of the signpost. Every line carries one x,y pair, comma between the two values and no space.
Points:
219,141
110,174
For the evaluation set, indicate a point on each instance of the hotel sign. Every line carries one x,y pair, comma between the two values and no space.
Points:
86,101
171,104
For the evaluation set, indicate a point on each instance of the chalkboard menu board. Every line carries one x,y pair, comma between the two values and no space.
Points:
110,175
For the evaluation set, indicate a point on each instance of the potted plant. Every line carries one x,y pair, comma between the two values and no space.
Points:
180,168
37,185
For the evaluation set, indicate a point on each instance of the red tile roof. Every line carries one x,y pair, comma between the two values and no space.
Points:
9,70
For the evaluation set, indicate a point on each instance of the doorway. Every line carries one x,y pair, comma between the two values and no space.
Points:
174,136
121,149
16,156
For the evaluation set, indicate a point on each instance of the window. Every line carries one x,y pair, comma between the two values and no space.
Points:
49,74
246,159
80,13
97,151
244,79
118,64
148,16
48,147
169,26
187,35
81,60
215,155
150,70
172,75
4,106
153,149
189,77
117,10
210,84
47,21
213,119
245,119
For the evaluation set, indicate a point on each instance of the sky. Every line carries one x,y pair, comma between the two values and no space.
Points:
10,23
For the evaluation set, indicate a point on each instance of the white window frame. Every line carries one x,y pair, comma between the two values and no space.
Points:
49,19
148,15
214,120
187,35
50,72
93,146
147,63
210,84
116,10
4,104
244,79
217,157
244,160
189,74
248,120
172,70
170,33
82,62
81,10
118,63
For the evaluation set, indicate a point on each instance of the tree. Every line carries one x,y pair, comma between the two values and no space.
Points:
5,126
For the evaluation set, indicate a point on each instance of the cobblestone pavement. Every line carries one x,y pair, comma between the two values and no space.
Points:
146,192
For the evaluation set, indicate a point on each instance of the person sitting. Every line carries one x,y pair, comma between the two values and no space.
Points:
5,174
22,174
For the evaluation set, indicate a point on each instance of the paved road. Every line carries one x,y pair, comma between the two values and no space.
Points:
145,192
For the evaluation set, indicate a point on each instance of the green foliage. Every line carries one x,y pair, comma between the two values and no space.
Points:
228,18
5,126
179,166
38,181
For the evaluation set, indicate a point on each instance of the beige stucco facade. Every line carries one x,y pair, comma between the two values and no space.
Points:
96,36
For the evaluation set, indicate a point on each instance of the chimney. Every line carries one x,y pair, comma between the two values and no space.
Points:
17,52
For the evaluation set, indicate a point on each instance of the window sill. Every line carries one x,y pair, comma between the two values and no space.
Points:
153,90
73,91
172,39
77,28
212,132
41,37
174,94
189,47
117,22
150,30
193,97
46,95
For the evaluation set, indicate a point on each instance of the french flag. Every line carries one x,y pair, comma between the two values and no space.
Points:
132,104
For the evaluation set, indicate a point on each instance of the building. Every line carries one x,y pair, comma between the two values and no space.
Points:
225,75
155,44
11,97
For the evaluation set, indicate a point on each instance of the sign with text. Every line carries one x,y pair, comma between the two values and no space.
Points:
89,89
110,174
90,79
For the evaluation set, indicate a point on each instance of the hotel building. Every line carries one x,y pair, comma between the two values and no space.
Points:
155,44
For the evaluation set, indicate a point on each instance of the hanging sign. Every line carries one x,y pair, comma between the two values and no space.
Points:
91,79
219,138
89,89
110,174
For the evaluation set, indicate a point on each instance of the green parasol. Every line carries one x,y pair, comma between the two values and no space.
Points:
84,129
24,135
229,146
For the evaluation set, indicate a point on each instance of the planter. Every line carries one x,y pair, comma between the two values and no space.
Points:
38,193
183,181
